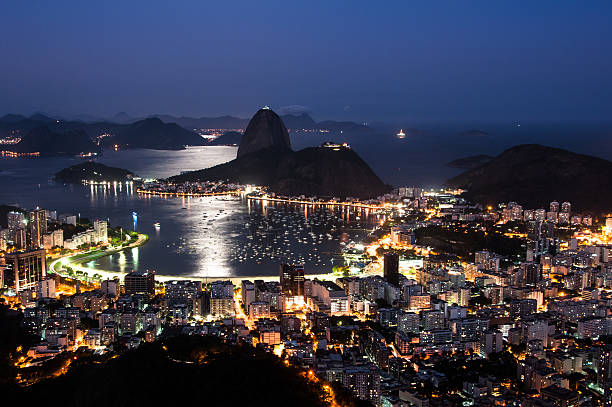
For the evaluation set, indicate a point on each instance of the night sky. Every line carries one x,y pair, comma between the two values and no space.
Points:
358,60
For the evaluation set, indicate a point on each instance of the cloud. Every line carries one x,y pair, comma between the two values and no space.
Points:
475,133
294,109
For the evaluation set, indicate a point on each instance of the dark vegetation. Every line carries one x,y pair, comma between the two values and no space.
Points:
70,230
12,337
460,368
464,242
181,370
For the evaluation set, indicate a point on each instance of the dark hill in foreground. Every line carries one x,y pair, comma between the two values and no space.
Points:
534,175
314,171
185,371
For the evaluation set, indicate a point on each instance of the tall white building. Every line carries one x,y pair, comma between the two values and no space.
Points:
45,288
100,231
491,342
52,239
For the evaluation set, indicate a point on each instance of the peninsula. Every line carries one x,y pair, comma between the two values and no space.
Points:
265,158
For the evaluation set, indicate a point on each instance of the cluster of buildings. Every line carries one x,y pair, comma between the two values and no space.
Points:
29,238
484,329
98,234
557,214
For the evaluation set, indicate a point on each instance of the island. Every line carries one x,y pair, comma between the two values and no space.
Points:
93,172
470,162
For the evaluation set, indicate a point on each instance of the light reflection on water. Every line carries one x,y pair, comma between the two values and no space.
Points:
231,236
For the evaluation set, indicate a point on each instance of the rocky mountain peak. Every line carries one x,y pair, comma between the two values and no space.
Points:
266,130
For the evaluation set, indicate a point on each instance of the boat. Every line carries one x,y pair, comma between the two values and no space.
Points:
401,134
157,225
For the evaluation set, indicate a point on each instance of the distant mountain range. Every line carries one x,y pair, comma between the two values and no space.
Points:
223,122
52,136
162,132
534,175
154,133
293,122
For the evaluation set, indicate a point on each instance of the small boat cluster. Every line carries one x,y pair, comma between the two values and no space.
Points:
273,233
191,189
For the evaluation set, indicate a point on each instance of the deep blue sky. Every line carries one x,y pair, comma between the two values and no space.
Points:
359,60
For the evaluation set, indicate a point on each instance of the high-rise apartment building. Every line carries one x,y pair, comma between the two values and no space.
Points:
292,280
24,269
37,227
140,282
15,220
100,231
